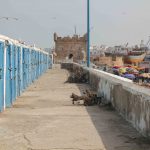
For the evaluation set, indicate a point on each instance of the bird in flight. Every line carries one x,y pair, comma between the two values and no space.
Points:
8,18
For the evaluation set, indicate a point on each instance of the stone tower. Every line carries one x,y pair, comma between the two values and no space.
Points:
76,45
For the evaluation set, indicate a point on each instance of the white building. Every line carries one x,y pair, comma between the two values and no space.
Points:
97,51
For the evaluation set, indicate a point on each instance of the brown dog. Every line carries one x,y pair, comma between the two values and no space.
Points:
86,99
75,98
89,98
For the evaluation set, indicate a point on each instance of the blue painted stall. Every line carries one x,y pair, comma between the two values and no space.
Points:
20,65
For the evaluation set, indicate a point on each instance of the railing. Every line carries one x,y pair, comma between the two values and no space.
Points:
130,100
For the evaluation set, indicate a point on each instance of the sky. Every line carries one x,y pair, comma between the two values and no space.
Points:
113,22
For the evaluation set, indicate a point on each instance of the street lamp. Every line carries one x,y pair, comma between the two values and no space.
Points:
88,33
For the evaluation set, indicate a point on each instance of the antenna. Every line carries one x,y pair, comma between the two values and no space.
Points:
75,30
148,43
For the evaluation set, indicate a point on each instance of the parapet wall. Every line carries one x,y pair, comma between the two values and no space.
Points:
130,100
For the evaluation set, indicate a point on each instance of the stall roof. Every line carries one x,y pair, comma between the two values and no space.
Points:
20,43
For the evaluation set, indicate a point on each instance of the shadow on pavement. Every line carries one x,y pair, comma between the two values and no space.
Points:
115,132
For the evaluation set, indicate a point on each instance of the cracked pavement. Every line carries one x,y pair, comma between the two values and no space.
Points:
43,118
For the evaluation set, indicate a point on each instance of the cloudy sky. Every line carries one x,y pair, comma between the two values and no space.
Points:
112,21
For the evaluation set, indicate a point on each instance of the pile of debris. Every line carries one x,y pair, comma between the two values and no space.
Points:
78,77
89,98
143,80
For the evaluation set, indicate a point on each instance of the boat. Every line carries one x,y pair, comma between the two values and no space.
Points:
134,58
136,55
130,55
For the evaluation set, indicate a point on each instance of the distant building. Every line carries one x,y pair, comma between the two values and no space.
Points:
96,52
65,46
110,61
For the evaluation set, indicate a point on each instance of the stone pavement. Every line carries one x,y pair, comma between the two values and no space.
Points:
43,118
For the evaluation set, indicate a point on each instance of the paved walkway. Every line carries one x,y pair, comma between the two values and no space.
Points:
43,118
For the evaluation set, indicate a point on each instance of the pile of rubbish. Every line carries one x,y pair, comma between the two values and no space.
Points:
78,77
89,98
145,75
126,72
131,72
143,79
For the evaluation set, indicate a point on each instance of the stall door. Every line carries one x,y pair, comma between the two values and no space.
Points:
1,76
24,69
16,72
27,67
19,71
13,73
8,77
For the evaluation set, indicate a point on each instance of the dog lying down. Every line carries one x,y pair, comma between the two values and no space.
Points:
88,98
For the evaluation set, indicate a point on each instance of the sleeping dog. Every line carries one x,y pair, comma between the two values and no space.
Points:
88,98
